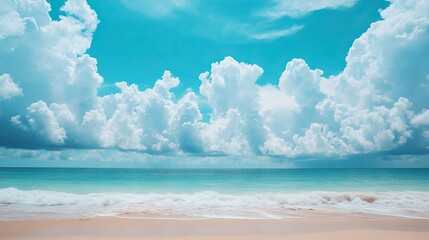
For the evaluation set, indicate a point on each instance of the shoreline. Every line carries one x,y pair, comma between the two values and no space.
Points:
16,204
333,226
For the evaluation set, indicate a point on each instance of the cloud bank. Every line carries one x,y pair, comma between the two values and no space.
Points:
49,86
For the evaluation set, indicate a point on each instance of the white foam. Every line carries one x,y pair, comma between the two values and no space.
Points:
18,204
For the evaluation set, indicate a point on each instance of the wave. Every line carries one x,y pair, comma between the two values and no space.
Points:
18,204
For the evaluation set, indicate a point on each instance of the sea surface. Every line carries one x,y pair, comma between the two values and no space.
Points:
40,193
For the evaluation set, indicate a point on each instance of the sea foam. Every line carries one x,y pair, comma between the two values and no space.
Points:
19,204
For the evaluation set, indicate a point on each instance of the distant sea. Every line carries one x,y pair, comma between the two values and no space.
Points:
40,193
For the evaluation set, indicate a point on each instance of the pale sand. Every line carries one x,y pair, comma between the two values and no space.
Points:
333,227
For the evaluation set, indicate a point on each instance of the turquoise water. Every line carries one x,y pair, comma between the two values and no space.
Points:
86,180
68,192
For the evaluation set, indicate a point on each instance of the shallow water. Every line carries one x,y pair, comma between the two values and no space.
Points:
232,193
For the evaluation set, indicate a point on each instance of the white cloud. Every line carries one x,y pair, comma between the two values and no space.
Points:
43,121
95,123
82,12
11,25
388,61
380,70
226,134
369,130
276,33
271,98
53,69
232,93
275,146
53,54
146,120
370,107
159,8
278,112
119,118
231,85
298,8
318,139
300,81
422,118
185,124
8,88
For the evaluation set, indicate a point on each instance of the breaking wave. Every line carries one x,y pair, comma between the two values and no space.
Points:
19,204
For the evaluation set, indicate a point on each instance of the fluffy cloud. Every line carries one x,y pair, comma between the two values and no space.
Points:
47,58
422,118
230,126
376,129
8,88
297,8
231,85
377,104
43,121
301,82
376,96
11,24
388,61
371,105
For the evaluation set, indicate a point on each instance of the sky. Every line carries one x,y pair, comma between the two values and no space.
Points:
193,83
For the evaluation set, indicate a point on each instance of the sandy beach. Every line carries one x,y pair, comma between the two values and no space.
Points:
333,226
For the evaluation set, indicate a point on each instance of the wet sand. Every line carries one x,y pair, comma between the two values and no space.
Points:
320,226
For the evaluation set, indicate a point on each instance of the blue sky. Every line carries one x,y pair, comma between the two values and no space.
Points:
135,46
279,83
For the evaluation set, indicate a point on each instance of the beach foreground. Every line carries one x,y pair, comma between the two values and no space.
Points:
337,226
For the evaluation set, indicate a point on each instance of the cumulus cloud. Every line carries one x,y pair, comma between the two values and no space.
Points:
388,61
371,105
297,8
231,85
422,118
11,24
376,96
233,95
47,58
300,81
43,121
8,88
374,105
376,129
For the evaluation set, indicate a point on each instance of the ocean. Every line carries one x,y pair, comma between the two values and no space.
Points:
55,193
